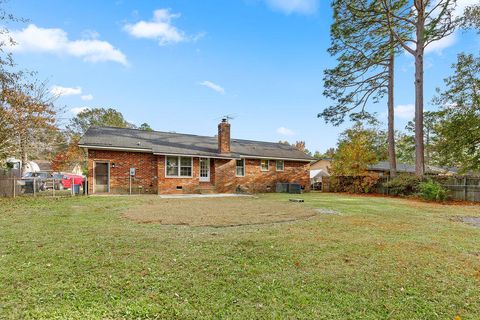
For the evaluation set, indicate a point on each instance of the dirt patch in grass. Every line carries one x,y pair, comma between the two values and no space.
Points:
473,221
218,212
326,211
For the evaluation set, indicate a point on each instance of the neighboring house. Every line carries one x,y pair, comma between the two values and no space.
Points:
75,168
322,164
319,169
316,178
383,169
317,175
182,163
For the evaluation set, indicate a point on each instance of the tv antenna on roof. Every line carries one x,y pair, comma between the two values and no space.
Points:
227,117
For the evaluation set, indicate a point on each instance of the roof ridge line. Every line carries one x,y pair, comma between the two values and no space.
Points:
189,134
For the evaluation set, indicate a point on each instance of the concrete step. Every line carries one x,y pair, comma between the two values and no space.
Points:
206,189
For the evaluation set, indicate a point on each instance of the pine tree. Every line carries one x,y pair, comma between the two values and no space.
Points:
430,20
365,50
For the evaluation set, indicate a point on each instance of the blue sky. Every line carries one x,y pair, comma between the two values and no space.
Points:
180,65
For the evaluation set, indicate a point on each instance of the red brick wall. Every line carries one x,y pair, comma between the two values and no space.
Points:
224,137
255,179
169,185
145,180
150,174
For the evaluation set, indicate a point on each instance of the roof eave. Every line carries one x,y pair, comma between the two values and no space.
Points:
94,147
195,155
275,158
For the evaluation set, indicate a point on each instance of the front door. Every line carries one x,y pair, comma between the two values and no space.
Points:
101,177
204,170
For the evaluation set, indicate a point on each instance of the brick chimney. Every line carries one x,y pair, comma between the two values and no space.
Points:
224,136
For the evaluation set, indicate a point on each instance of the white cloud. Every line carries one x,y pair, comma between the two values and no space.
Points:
55,40
215,87
441,44
160,28
65,91
285,131
76,111
294,6
450,40
87,97
405,111
462,5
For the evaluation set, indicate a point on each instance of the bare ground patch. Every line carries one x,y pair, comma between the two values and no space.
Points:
218,212
473,221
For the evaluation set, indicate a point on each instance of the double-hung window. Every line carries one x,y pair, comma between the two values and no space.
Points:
280,165
264,165
240,169
179,167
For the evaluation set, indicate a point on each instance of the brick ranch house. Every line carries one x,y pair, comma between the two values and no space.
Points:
166,163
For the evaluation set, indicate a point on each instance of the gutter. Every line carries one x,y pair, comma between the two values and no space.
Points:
194,156
275,158
92,147
115,148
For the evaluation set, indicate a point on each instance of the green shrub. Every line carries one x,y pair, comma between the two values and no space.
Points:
403,185
433,191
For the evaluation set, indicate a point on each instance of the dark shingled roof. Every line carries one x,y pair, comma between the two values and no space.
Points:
185,144
407,168
385,166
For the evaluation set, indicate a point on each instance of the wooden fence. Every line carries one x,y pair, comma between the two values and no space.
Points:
464,188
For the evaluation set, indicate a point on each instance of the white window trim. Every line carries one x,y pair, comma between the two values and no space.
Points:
283,165
268,165
179,167
244,169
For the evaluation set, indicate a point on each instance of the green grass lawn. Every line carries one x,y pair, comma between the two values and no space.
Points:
379,258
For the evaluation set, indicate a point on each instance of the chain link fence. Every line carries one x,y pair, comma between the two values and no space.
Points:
11,186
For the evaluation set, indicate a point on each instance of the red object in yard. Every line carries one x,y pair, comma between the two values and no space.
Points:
67,180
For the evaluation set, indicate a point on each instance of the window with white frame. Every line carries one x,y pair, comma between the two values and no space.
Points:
280,165
185,167
178,166
240,170
264,165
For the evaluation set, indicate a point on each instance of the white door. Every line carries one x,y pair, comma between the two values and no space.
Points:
204,170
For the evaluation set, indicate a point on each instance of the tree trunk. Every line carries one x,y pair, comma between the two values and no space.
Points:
427,146
23,154
419,145
391,113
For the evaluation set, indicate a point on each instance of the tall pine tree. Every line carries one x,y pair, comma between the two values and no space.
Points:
430,20
365,50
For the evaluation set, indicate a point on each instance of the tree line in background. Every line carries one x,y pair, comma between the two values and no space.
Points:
27,113
367,35
31,124
71,155
451,135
